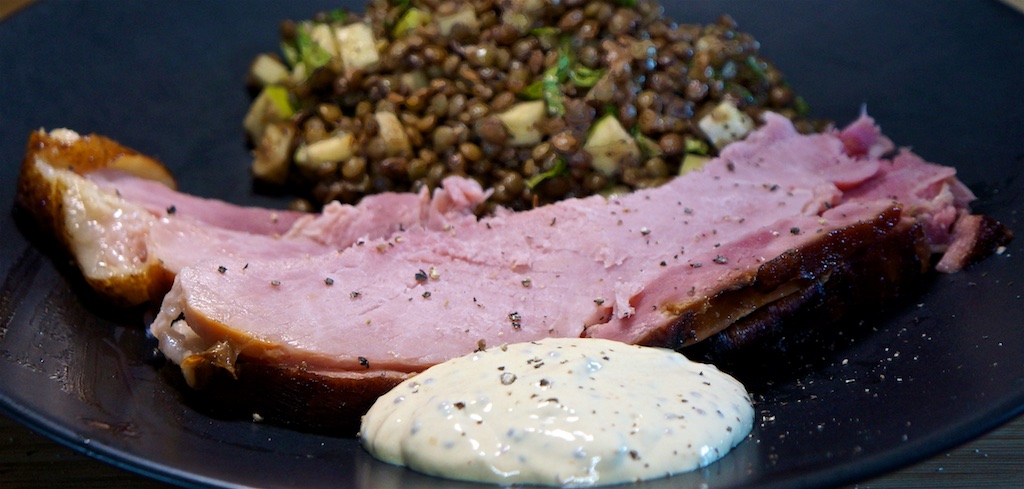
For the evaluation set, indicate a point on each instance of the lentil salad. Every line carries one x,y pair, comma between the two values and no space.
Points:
538,100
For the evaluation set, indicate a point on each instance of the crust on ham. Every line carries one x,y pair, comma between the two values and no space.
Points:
79,214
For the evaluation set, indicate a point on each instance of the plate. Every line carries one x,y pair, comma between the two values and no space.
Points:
166,78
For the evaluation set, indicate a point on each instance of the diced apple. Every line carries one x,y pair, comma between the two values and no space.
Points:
521,121
271,105
357,46
609,145
392,132
725,124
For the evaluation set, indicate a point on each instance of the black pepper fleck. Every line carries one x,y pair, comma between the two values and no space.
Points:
222,269
421,276
364,362
171,210
329,281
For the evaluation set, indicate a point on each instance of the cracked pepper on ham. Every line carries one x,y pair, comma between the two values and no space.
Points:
623,268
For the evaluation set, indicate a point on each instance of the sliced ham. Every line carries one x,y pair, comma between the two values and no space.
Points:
311,317
130,232
769,223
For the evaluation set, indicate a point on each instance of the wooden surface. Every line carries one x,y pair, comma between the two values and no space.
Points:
31,461
8,7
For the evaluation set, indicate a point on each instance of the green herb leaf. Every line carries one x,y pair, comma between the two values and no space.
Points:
559,169
801,106
309,51
545,31
696,147
626,3
552,90
756,67
410,20
338,15
584,77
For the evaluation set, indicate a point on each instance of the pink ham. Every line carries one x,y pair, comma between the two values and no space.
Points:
131,234
626,268
310,317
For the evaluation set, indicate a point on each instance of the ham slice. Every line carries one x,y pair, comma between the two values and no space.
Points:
311,317
118,215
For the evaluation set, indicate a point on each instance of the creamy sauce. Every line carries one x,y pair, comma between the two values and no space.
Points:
560,412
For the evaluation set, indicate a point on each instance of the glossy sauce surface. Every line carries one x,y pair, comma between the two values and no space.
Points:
560,412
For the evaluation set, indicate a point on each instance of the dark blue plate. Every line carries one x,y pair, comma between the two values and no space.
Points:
167,78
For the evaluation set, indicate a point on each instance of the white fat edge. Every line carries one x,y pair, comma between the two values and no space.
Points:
106,233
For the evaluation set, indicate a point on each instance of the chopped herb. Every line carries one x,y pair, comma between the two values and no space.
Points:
696,146
545,31
584,77
338,15
559,169
801,106
421,276
757,67
426,294
527,282
599,301
222,269
309,52
721,260
410,20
